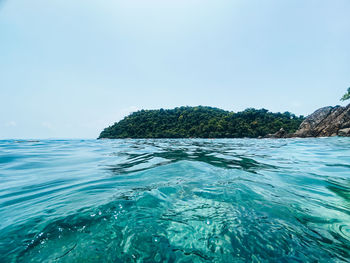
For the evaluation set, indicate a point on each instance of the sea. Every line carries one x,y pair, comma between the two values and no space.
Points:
175,200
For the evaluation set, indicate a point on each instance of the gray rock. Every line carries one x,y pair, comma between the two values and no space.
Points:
344,132
327,121
280,134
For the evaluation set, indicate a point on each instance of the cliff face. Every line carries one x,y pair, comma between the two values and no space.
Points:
327,121
324,122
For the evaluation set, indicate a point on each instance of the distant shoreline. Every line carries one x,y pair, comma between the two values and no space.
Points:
201,122
214,123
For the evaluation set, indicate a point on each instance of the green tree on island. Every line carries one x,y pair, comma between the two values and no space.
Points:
346,95
201,122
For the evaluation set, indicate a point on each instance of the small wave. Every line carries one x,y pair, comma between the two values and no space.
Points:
229,200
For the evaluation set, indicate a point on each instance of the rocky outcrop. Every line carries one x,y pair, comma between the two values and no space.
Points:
279,134
344,132
324,122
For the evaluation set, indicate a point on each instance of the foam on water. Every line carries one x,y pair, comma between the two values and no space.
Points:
227,200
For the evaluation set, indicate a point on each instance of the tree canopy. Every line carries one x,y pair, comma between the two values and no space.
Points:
201,122
346,95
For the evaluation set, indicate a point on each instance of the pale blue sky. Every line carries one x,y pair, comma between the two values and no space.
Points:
70,68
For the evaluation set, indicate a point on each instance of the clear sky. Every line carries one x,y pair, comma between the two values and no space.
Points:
70,68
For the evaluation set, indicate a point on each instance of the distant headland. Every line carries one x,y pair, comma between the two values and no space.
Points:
210,122
202,122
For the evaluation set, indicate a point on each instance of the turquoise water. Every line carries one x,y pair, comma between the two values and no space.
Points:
234,200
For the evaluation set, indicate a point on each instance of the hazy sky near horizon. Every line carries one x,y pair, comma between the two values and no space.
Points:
70,68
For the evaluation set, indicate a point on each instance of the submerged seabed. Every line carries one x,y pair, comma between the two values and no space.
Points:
239,200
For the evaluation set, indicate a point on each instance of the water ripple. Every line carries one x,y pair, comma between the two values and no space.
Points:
234,200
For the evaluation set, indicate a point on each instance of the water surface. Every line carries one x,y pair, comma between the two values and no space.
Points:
227,200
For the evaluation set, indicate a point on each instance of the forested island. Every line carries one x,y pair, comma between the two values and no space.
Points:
202,122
